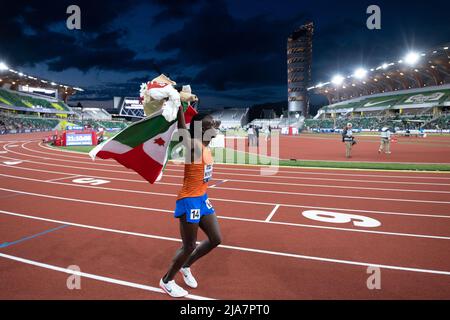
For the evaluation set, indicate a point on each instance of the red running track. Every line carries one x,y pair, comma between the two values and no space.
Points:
329,147
122,235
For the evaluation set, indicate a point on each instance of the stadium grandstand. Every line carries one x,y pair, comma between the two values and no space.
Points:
232,118
30,104
412,93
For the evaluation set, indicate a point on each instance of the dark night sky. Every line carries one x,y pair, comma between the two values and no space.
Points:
233,53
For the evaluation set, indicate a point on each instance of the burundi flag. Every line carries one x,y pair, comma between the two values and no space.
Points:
143,146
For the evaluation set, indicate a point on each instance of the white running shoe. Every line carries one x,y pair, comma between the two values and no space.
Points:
172,289
188,277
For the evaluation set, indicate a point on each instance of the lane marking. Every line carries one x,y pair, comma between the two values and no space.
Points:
90,181
94,276
269,217
238,180
218,183
299,170
250,175
268,252
12,163
315,194
237,201
337,217
7,244
231,218
261,182
63,178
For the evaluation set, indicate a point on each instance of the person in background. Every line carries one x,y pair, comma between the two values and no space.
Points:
251,135
348,139
385,141
257,135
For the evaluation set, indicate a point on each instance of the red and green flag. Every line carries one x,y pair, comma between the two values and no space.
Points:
143,146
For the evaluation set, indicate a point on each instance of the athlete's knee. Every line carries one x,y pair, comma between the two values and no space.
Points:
188,248
215,240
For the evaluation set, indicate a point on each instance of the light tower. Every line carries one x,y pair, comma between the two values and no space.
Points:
299,57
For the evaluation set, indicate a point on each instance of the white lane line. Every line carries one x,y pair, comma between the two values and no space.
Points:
12,163
94,276
268,252
3,152
262,182
298,171
63,178
233,200
157,210
218,183
239,180
238,174
269,217
315,194
324,195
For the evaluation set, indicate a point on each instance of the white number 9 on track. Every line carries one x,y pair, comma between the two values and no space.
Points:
337,217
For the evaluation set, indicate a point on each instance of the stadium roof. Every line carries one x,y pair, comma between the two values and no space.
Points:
407,99
16,78
415,70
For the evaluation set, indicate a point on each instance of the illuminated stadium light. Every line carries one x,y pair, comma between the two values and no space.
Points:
337,79
445,48
412,58
384,66
360,73
3,66
53,84
21,74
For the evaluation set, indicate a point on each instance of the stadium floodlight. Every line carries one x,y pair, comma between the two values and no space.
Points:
384,66
412,58
337,79
360,73
3,66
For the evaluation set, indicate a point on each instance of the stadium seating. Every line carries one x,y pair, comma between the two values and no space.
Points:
92,113
231,118
21,123
12,98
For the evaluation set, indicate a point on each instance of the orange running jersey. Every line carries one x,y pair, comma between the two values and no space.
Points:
196,176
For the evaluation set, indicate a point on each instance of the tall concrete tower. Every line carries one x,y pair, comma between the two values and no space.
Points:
299,57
